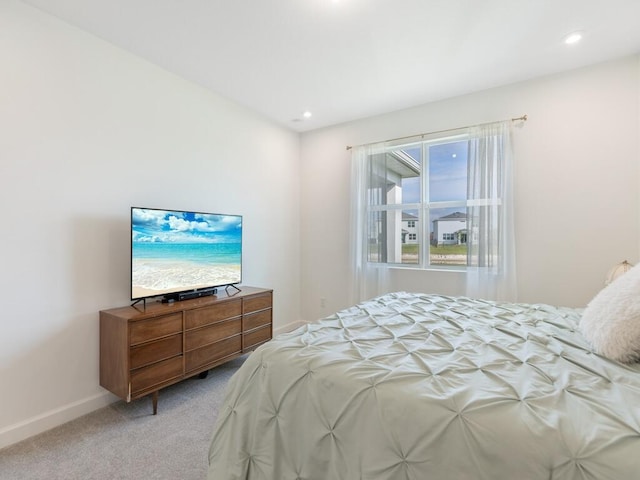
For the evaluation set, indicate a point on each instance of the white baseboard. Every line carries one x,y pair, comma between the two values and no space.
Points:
53,418
41,423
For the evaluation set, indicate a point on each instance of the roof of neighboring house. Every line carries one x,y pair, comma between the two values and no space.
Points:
453,216
409,216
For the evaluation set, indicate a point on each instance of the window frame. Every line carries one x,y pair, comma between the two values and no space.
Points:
423,207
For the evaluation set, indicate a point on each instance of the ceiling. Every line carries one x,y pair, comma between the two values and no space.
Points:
347,59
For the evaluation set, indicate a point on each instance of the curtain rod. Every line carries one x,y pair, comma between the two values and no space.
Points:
523,118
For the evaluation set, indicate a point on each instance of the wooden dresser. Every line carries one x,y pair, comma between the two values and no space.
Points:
146,348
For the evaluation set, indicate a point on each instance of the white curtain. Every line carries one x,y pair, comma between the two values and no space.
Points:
491,262
367,279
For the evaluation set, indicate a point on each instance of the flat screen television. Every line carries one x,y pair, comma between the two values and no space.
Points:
176,253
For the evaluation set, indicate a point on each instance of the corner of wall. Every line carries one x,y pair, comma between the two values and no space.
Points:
638,122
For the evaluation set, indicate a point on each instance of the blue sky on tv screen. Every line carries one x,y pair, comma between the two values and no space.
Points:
165,226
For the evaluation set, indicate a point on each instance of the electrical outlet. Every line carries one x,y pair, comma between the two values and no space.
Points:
323,302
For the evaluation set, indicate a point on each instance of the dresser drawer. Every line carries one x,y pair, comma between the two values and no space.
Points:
146,377
258,302
255,320
257,337
155,351
212,353
212,333
203,316
152,328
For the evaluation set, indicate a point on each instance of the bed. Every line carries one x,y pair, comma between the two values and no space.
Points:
417,386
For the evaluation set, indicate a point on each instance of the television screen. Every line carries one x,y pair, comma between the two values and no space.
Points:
177,251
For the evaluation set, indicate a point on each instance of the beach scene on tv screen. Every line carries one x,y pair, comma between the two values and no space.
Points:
176,251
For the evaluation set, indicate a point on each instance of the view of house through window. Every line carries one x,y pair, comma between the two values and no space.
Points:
417,199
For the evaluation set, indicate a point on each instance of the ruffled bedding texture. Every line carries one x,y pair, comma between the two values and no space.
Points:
416,386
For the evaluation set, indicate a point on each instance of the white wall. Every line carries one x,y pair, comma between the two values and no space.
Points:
576,183
86,132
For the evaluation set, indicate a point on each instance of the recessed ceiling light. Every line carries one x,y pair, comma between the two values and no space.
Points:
307,114
573,38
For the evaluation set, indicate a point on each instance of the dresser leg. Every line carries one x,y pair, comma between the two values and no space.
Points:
154,399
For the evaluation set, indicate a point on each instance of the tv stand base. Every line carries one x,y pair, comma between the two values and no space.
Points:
180,296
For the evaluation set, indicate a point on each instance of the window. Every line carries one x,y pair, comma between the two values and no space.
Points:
457,189
422,187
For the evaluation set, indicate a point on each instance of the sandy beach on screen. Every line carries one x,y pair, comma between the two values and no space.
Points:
156,277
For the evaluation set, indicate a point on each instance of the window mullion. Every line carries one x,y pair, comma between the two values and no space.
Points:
424,210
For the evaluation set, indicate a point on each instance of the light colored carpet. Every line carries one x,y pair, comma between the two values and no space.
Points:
125,441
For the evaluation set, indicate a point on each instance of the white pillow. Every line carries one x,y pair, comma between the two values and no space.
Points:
611,321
